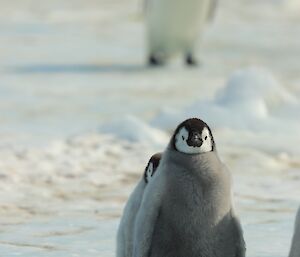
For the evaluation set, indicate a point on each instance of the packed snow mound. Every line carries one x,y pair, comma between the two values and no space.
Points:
252,107
134,130
255,90
251,97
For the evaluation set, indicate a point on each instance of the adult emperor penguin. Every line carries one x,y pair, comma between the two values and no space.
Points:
174,26
295,248
125,231
187,210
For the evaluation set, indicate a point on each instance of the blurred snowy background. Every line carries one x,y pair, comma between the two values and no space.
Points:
80,114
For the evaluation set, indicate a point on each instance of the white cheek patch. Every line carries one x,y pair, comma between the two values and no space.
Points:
149,172
182,145
207,141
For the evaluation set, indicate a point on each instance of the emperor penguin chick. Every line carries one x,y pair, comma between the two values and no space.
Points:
187,210
295,247
125,231
174,26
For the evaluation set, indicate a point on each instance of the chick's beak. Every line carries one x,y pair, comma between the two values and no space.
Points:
195,140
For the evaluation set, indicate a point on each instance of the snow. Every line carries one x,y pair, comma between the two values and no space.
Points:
250,95
80,116
135,130
253,103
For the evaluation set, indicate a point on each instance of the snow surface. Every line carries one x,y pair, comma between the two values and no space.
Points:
134,130
80,115
253,103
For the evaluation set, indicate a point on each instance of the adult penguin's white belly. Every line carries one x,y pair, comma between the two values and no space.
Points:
174,26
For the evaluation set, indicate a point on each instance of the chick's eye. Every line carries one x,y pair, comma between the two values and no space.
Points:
183,138
205,138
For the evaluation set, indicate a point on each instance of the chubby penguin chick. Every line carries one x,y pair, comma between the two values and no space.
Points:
187,210
174,26
125,231
295,247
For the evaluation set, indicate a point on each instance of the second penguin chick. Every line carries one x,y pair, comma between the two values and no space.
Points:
174,26
187,210
295,247
125,231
